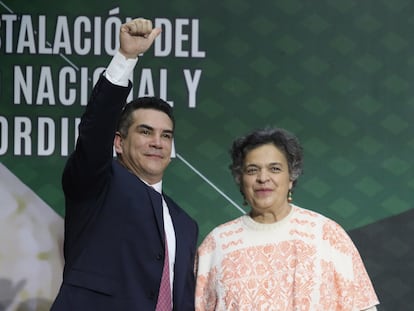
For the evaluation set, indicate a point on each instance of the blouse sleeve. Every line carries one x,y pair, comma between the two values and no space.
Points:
206,273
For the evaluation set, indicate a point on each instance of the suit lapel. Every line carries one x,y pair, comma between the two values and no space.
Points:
156,202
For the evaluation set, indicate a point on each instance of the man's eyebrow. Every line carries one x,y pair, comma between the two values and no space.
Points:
251,164
145,126
168,131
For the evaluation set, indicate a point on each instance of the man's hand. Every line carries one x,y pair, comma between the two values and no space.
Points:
136,37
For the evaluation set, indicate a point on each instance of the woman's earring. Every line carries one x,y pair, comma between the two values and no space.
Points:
290,197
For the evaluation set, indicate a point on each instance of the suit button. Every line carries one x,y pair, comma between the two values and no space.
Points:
159,256
151,295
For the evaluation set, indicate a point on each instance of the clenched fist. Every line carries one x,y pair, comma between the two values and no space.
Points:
136,37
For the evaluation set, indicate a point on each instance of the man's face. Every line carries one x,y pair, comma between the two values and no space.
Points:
146,150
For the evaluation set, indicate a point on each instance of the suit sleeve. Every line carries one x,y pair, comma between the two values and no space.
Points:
88,167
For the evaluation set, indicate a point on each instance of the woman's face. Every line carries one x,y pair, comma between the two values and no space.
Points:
265,179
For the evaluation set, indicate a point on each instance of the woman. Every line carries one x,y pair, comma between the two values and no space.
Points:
279,256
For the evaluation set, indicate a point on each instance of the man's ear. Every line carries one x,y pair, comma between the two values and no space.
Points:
118,143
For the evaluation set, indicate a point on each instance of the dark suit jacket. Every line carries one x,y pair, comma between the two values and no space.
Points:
114,225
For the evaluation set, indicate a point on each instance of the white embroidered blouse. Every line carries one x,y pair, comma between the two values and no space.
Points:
305,262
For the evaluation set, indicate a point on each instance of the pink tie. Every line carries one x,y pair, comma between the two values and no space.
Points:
164,296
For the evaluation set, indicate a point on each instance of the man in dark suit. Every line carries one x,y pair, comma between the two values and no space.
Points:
118,222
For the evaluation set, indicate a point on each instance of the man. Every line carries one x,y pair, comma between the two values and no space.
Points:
117,223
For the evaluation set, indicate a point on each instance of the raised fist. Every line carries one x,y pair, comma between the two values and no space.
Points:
136,37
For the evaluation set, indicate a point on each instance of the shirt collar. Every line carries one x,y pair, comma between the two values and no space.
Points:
157,186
